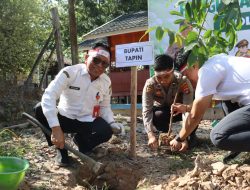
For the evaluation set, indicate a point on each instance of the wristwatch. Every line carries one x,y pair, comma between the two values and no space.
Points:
178,139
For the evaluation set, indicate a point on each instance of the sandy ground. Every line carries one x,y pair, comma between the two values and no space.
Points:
159,169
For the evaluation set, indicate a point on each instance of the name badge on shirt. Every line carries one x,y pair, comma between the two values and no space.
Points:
74,87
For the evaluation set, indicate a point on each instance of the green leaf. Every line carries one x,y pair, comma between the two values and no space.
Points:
171,37
194,9
148,31
217,33
179,40
175,13
192,36
183,27
207,34
193,4
188,11
212,41
180,2
198,4
159,33
192,58
178,21
216,16
227,2
202,47
222,24
190,46
201,59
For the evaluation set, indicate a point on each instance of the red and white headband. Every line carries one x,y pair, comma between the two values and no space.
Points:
183,68
158,73
95,52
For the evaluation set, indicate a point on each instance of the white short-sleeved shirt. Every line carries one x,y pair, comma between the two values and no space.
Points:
226,77
77,96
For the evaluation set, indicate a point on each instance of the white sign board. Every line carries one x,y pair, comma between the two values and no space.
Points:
134,54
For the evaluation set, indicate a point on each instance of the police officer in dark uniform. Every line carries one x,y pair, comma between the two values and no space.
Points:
158,96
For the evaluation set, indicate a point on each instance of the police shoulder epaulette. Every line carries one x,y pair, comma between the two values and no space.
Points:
184,87
66,73
150,85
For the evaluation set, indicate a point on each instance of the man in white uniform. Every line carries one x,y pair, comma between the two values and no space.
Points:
84,92
222,77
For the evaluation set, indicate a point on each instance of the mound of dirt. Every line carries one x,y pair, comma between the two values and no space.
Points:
206,176
115,176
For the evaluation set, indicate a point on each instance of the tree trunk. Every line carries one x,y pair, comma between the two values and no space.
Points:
58,39
39,57
73,32
47,67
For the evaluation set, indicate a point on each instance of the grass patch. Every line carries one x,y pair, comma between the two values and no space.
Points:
11,145
181,161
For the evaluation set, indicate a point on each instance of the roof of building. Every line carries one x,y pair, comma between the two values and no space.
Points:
88,44
127,23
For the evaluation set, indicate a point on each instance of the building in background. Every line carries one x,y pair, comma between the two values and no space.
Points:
127,28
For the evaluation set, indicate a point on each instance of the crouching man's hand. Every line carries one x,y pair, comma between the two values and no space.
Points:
57,137
152,141
117,128
179,146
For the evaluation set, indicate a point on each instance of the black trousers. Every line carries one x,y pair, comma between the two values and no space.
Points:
233,131
87,134
161,118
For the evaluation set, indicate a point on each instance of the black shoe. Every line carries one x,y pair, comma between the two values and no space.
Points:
62,158
230,156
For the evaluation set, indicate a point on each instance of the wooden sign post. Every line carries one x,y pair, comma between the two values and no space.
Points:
133,55
133,111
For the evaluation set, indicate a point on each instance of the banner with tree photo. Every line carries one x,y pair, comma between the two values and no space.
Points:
207,26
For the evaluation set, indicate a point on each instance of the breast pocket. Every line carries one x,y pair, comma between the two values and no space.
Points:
73,91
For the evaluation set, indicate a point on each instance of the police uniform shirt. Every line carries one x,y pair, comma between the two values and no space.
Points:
77,96
154,94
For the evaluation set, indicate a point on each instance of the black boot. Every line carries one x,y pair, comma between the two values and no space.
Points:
62,158
230,156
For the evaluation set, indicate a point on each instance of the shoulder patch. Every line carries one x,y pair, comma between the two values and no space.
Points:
150,85
184,88
66,73
149,88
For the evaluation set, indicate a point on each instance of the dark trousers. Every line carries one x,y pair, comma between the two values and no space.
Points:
233,131
87,134
161,118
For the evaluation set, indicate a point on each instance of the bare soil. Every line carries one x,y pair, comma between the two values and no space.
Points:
161,169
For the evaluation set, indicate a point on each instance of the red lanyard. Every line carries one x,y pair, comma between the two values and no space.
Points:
96,109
